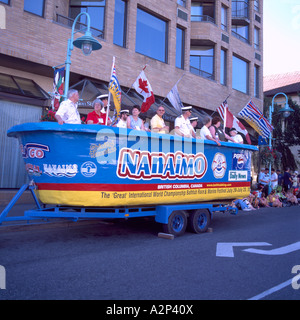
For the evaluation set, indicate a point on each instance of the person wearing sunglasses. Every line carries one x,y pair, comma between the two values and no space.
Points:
157,122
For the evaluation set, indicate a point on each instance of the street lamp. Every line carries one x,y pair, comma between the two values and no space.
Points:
285,112
87,43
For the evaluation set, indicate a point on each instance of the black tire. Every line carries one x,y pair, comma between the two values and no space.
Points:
199,221
177,223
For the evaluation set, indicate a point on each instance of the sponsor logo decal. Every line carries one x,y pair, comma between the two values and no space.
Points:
219,165
34,150
88,169
236,175
63,170
136,164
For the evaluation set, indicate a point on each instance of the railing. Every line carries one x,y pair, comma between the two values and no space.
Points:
204,18
240,9
66,21
239,37
202,73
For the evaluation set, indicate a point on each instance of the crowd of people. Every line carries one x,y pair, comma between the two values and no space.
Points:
283,191
184,125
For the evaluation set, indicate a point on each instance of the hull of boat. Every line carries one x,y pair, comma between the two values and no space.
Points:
99,166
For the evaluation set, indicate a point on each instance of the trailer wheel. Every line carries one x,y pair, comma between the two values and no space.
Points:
177,223
199,221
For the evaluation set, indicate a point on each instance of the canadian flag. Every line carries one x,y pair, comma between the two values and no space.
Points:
231,121
143,87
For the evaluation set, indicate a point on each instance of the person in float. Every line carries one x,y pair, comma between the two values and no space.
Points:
194,122
205,133
105,109
96,116
235,136
217,132
183,124
122,123
158,123
67,111
134,121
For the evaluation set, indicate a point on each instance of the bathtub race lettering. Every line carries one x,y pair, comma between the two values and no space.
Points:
136,164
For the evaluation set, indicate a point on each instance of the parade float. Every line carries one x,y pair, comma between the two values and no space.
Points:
100,166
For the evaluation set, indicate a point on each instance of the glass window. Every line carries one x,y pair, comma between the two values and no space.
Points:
241,32
224,18
256,38
151,36
201,11
95,9
256,81
180,48
256,5
240,9
34,6
240,74
202,61
223,71
5,1
120,23
182,2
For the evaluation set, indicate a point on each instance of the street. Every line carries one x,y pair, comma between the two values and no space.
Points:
247,256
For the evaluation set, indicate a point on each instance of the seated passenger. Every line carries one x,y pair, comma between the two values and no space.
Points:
133,121
158,123
205,133
194,122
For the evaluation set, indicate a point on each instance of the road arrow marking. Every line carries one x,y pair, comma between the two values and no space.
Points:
276,252
225,249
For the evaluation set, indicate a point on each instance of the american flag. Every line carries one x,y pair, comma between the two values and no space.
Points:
256,119
230,121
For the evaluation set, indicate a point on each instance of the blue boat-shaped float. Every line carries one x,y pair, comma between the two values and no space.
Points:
99,166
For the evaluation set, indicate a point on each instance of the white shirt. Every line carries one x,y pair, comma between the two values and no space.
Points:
184,126
205,132
274,184
68,112
122,124
238,138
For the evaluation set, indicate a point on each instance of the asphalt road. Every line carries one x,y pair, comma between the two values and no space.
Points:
126,260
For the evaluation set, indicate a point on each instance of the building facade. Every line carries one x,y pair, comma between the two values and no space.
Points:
216,45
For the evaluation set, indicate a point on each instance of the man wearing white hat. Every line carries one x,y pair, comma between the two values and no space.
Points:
194,122
183,124
105,109
122,123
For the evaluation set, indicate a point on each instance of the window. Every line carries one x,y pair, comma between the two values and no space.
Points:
180,48
120,23
95,9
240,75
224,18
151,36
241,32
202,61
182,2
201,11
256,81
256,5
35,7
240,9
223,71
256,38
5,1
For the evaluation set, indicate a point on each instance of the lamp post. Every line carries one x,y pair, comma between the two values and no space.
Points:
87,43
285,112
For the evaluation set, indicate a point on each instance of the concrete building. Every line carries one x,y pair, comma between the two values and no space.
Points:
216,44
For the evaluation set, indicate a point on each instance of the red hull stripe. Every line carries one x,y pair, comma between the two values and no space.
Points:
137,186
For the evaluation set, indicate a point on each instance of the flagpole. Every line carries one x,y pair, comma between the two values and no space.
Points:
109,94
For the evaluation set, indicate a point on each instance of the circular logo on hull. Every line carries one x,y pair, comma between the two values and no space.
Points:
219,165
